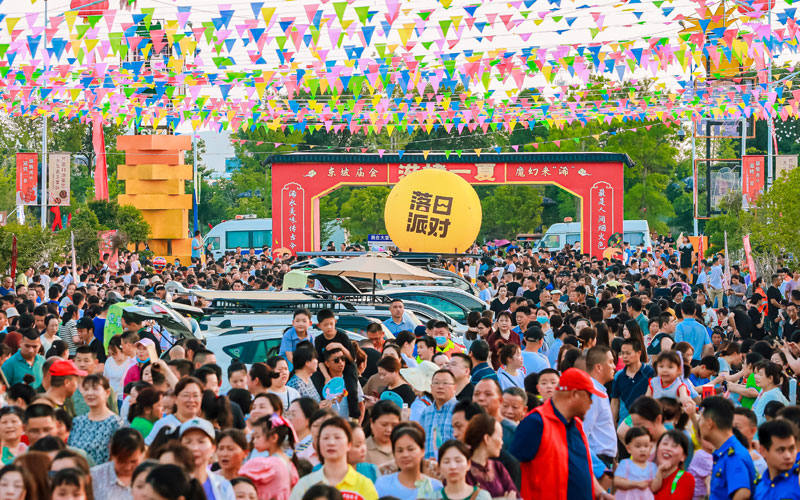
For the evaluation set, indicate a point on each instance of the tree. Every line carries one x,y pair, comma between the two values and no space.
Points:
131,223
35,246
84,226
362,213
510,210
646,200
733,220
775,225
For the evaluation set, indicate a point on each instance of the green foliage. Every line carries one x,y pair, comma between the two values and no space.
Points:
362,213
646,200
777,213
127,219
84,226
511,210
131,223
35,246
733,220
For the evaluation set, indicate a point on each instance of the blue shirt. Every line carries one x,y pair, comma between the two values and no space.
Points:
534,362
526,444
628,389
733,470
552,352
781,487
762,399
438,425
482,371
694,333
290,340
99,328
396,328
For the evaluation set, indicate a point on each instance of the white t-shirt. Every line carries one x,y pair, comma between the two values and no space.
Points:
116,373
287,396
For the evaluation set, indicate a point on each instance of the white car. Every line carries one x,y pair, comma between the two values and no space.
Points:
250,345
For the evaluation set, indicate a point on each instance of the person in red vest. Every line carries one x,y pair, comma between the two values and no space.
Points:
551,446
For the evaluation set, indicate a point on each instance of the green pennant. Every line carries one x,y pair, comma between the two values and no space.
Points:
114,40
148,18
93,20
362,13
339,7
445,25
82,29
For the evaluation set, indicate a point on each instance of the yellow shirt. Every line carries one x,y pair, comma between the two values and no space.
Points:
354,486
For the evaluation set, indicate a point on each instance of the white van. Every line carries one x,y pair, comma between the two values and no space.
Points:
245,233
636,232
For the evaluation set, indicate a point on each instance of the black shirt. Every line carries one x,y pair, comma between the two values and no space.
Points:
512,286
744,323
686,255
100,352
404,391
320,342
466,392
532,295
773,293
499,307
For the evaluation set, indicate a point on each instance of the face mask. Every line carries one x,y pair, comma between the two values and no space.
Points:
542,319
440,341
142,361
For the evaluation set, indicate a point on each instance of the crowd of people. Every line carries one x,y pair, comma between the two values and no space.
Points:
654,375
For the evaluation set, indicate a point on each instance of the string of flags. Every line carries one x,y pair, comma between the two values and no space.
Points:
374,67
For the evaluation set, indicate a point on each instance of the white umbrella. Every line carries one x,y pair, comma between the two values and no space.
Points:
376,266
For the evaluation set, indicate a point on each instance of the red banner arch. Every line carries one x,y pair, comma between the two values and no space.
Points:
300,180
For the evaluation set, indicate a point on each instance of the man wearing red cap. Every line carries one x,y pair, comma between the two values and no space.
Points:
64,377
552,448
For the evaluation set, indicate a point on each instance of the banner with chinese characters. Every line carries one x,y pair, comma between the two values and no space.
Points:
752,178
108,254
601,200
292,213
27,178
58,177
300,180
784,163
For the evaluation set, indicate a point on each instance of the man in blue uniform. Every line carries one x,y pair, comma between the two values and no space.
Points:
733,476
778,443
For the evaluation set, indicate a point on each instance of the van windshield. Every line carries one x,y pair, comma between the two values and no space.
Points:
636,238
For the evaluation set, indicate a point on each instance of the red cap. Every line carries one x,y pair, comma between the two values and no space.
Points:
574,379
64,368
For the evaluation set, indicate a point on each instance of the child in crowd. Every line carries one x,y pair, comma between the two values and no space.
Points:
700,467
668,383
634,475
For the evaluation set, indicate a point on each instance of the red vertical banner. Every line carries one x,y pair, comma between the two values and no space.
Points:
14,257
751,265
100,169
601,217
108,254
752,177
27,178
293,213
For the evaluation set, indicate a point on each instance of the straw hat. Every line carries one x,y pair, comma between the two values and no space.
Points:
420,377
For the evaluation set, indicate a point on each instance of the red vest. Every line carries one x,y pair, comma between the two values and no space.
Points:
546,475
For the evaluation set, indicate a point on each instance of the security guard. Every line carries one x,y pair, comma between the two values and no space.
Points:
733,476
778,443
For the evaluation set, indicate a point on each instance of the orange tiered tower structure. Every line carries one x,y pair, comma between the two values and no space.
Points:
155,177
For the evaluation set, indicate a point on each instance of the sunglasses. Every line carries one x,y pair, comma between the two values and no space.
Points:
340,359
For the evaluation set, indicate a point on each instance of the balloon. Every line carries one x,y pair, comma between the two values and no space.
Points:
433,210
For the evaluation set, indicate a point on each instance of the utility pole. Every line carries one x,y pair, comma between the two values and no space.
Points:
44,128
